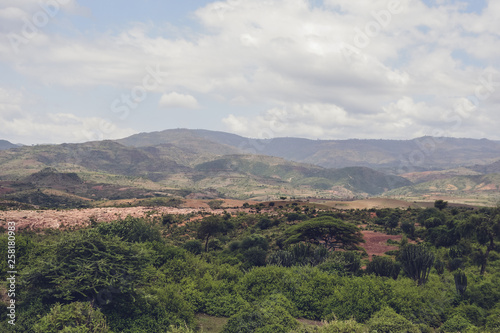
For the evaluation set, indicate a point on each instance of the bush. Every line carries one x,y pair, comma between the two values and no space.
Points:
254,241
348,262
194,246
255,256
457,323
383,266
338,326
155,309
131,229
264,319
408,228
87,265
388,321
474,314
493,321
281,258
264,223
74,317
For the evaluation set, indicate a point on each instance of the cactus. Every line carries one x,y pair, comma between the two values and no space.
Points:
460,282
417,262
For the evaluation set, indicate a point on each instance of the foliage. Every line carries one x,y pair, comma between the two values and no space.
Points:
194,246
383,266
131,229
87,265
440,204
74,317
215,204
268,317
346,262
140,282
387,321
458,323
331,232
210,226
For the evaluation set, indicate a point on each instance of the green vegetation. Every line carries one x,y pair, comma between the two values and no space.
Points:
252,272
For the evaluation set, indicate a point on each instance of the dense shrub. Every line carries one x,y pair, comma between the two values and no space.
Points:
457,323
73,317
194,246
383,266
264,319
131,229
388,321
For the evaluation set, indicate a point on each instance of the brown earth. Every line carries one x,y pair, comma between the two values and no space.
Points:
369,203
376,242
41,219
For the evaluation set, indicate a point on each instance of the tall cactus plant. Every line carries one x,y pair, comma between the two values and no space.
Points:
417,262
460,282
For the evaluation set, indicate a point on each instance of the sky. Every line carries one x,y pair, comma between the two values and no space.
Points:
76,71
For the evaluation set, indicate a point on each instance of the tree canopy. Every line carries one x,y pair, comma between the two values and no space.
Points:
326,230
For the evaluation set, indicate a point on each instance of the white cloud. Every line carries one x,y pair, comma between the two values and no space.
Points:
20,126
176,100
290,57
402,119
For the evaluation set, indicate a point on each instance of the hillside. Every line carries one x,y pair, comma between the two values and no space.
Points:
109,170
214,164
4,144
437,153
425,176
488,168
481,189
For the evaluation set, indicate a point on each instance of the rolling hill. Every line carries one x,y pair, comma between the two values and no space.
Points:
4,144
201,161
426,153
479,188
109,169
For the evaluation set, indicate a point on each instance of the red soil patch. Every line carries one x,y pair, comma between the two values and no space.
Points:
376,242
41,219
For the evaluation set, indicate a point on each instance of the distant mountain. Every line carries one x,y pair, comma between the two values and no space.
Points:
396,156
457,186
488,168
355,179
185,161
426,176
90,157
4,144
105,169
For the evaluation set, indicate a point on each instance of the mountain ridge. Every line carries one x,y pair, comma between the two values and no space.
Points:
396,156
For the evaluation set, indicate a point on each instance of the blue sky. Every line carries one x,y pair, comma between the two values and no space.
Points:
332,69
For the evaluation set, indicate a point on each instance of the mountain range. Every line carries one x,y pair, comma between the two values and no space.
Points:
193,162
395,156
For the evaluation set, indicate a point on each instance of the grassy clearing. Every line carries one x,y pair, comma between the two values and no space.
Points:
210,324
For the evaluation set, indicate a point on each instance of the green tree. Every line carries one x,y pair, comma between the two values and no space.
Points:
440,204
328,231
485,229
210,226
86,265
215,204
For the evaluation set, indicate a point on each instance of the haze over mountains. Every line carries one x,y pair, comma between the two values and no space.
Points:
221,164
426,153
